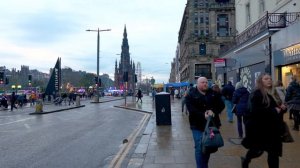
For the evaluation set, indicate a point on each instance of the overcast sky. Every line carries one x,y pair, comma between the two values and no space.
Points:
37,32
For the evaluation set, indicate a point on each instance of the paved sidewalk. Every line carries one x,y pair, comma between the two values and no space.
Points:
173,146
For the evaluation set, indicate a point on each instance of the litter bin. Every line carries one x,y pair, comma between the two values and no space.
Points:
39,106
163,108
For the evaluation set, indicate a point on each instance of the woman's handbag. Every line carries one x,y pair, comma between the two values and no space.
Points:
286,136
211,139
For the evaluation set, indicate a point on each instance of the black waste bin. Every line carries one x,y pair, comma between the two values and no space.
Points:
163,108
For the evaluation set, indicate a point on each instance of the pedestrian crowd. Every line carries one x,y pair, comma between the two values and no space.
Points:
15,100
259,115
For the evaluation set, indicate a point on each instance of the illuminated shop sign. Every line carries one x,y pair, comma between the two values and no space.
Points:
291,53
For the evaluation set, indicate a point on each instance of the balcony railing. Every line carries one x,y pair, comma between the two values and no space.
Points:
270,22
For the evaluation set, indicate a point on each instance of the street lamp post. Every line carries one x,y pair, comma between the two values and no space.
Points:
98,57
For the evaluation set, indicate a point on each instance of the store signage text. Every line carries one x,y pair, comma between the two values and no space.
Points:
292,53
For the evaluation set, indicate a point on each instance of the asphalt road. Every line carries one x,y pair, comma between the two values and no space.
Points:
84,137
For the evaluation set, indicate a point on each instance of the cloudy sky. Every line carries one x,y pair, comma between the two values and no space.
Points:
37,32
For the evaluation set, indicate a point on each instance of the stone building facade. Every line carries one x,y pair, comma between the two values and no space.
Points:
206,26
267,31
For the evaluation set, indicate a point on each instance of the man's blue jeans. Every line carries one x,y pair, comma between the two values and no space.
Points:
201,159
229,106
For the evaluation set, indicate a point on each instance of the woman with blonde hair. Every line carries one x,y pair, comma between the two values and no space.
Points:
264,125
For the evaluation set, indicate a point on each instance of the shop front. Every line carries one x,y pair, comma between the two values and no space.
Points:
286,55
287,63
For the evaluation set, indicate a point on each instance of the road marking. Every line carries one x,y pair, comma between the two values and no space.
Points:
118,159
17,121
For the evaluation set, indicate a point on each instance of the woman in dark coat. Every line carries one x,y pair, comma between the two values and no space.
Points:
240,99
264,125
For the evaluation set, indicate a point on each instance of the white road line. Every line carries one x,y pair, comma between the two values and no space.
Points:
17,121
118,159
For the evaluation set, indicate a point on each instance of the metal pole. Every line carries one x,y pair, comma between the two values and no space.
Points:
125,93
98,57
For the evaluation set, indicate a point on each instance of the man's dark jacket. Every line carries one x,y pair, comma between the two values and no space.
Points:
293,91
240,98
227,91
197,104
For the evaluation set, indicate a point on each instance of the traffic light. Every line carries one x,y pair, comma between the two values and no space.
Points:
29,80
1,77
96,81
202,49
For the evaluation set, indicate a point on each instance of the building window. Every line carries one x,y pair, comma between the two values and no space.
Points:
196,32
196,20
201,20
195,3
202,32
203,70
248,14
207,20
202,49
261,6
206,32
222,25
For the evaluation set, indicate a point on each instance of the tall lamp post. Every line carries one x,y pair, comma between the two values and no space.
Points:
98,57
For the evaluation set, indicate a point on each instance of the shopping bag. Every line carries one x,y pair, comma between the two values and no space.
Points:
211,139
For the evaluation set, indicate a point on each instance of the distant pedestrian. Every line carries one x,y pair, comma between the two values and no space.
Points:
201,104
240,99
183,101
153,94
139,95
227,92
218,102
264,125
43,96
292,98
176,92
172,93
13,101
64,97
3,101
71,98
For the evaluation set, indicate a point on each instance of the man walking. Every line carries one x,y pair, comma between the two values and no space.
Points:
227,92
292,98
201,104
139,95
13,101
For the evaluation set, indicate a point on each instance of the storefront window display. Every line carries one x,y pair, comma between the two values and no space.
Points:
288,71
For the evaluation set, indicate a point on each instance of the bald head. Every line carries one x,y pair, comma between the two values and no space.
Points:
202,84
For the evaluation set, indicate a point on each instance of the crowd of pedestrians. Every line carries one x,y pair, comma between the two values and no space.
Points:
17,100
259,114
